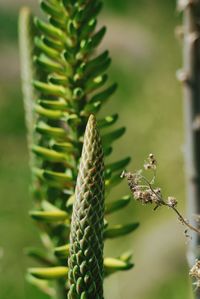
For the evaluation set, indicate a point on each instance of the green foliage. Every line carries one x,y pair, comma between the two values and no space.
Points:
70,83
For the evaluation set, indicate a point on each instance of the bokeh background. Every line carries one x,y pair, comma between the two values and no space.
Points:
145,55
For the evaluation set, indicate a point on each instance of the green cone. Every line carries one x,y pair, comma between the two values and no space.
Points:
86,239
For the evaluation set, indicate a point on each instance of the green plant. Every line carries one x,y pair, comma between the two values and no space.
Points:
58,59
86,241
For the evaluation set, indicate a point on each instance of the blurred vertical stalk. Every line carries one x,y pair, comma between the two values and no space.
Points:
26,33
190,76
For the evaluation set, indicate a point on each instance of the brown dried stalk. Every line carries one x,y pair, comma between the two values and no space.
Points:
145,192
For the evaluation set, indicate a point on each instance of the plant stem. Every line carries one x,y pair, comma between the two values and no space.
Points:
164,203
182,219
191,79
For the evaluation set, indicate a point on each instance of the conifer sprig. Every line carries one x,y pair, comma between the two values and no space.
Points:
70,83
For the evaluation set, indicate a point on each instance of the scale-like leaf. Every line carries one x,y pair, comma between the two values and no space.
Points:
119,230
49,273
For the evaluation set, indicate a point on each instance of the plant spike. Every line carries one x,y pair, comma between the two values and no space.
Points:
189,76
70,84
86,238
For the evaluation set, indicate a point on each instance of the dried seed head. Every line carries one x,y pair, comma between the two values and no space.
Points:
143,190
171,201
137,195
151,163
147,166
195,273
158,191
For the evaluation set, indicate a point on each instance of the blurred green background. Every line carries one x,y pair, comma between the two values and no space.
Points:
145,56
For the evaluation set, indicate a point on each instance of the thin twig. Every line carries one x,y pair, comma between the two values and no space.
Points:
163,202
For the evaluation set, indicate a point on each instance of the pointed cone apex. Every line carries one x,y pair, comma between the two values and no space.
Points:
86,238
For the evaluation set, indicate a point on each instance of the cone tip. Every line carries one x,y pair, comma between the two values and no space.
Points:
92,119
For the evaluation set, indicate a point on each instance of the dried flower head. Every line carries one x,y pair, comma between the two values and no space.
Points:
150,163
171,201
195,273
142,189
145,191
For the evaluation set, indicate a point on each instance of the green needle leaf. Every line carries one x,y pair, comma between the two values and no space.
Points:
40,44
49,273
107,121
53,10
50,89
54,105
58,178
51,114
120,230
49,64
104,95
117,204
49,216
114,264
119,165
62,251
48,154
108,138
50,30
95,83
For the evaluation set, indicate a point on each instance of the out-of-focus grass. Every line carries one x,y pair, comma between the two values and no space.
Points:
149,104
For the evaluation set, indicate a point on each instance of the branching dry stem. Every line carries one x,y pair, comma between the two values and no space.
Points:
146,193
